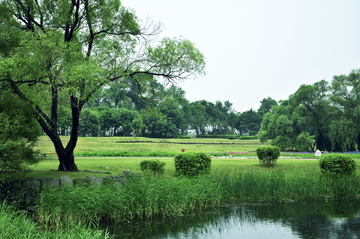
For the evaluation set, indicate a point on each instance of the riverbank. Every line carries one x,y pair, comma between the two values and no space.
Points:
76,208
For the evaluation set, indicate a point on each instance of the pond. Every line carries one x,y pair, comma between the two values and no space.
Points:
308,219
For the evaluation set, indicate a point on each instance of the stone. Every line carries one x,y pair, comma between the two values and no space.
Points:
98,172
65,180
97,181
90,177
32,183
50,182
82,181
107,172
122,180
118,186
86,170
127,171
112,178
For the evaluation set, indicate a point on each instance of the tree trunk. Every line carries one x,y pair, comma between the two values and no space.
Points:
67,161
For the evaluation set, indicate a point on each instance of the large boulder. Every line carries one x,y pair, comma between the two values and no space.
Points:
97,181
65,180
50,182
82,181
32,183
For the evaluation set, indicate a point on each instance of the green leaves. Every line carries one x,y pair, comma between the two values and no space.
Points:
268,155
192,164
337,165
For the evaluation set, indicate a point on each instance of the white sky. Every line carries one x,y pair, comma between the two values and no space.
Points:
259,48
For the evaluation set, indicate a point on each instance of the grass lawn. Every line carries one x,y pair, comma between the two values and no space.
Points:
108,144
118,165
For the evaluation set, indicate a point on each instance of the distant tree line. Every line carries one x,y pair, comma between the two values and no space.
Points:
157,111
330,112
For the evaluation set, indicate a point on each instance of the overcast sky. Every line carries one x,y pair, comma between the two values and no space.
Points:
259,48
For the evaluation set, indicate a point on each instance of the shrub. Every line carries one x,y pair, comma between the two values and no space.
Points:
185,137
192,164
246,137
152,165
19,132
337,165
232,137
268,155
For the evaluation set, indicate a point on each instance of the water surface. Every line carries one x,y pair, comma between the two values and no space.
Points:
310,219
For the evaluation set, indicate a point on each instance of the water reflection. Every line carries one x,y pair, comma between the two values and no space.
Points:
312,219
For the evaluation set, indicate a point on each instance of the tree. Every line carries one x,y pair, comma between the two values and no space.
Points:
198,117
250,122
18,133
346,98
266,105
128,120
89,123
70,49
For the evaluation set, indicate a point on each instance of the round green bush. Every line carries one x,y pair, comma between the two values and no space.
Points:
337,165
268,155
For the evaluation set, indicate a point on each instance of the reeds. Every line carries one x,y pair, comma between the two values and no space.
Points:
256,185
14,224
137,199
63,209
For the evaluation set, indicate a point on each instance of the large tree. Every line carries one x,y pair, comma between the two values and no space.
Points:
64,51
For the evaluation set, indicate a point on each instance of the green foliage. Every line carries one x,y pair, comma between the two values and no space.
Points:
343,135
233,137
247,137
89,123
268,155
15,224
154,166
136,199
304,142
18,133
337,165
192,164
185,137
62,53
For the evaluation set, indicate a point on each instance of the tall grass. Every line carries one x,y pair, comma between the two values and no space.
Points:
164,197
136,199
14,224
255,185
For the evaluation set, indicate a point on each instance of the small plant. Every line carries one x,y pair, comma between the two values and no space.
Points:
233,137
268,155
192,164
337,165
154,166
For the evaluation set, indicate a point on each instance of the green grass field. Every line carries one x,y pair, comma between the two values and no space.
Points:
118,165
108,144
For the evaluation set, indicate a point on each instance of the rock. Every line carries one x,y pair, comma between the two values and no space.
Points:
82,181
112,178
121,174
118,186
98,172
122,180
32,183
127,171
107,172
50,182
86,170
90,177
65,180
97,181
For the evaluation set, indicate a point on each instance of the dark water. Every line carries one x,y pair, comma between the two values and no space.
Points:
311,219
